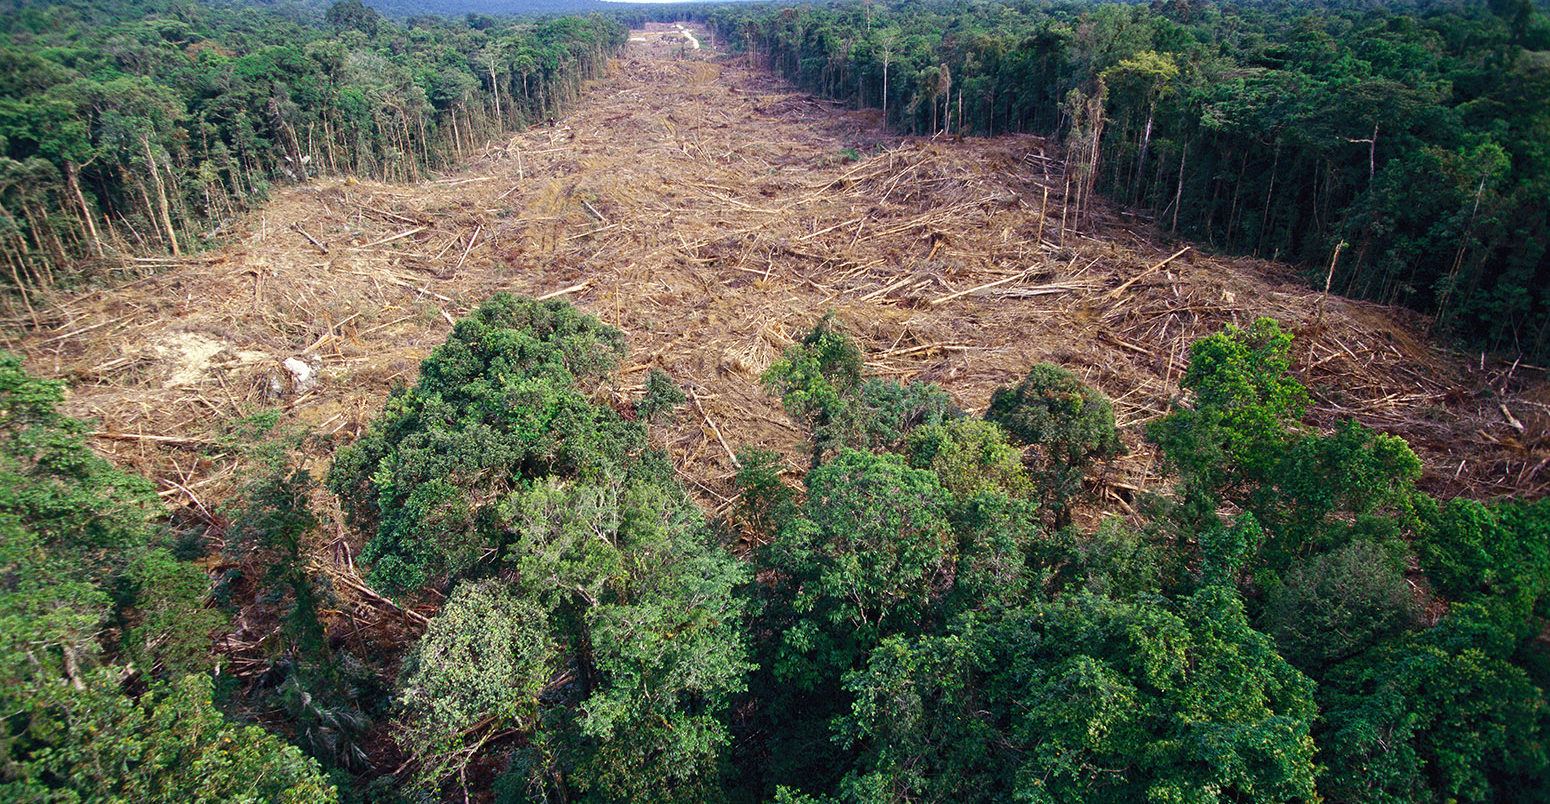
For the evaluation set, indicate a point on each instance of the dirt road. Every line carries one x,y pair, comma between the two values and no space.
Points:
714,215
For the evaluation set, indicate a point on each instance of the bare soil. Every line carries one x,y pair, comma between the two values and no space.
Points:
714,215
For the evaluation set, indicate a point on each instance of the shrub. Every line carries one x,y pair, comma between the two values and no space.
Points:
968,457
662,397
486,654
600,585
500,402
1068,423
868,558
764,502
820,385
1338,604
1245,410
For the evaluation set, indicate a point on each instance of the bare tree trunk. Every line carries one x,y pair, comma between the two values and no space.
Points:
1092,165
1237,189
887,56
1264,219
495,90
86,214
21,287
1065,204
1146,144
42,247
1458,262
161,196
1178,193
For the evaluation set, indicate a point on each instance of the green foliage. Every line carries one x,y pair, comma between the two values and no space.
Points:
1086,699
170,632
1068,423
324,692
499,402
605,629
1364,476
81,508
870,554
1245,411
763,501
49,609
1192,703
1054,410
641,606
820,384
883,412
814,378
95,743
1338,604
77,553
1441,716
486,655
1117,560
785,795
274,523
1473,552
662,396
869,557
511,336
1003,557
74,530
969,457
920,718
1241,441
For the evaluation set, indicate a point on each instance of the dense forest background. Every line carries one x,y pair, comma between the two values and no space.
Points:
913,611
1396,151
140,128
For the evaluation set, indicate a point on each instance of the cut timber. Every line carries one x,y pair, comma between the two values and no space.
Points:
889,288
329,334
1511,419
987,286
177,441
471,241
717,430
337,574
456,182
1137,278
831,228
310,239
1038,290
1109,338
563,291
399,236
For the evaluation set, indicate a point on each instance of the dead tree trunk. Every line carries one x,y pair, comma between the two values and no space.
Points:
86,214
161,196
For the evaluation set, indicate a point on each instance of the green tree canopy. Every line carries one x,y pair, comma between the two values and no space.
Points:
1085,699
1067,423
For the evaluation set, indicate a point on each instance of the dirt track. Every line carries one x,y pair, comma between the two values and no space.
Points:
714,215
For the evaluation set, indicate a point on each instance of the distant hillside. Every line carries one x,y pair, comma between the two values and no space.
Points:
457,8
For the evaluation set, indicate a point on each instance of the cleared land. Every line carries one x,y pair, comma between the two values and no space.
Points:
714,216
